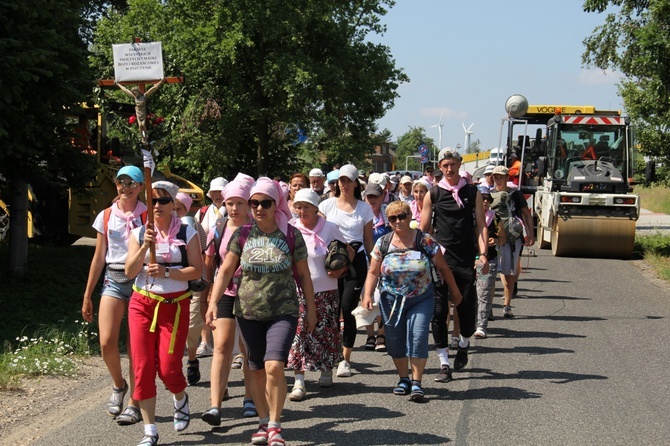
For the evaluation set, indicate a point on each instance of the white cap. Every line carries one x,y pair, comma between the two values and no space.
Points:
349,171
316,173
306,195
405,179
378,178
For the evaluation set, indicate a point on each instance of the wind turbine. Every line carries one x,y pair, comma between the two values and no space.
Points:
439,126
468,132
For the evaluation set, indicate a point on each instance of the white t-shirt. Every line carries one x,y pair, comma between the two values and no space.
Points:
117,240
209,220
351,224
160,285
316,257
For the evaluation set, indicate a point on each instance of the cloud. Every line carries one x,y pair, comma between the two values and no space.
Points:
445,112
599,77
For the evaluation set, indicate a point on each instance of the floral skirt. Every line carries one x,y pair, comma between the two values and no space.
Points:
320,350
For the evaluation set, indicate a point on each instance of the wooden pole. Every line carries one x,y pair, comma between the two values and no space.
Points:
150,211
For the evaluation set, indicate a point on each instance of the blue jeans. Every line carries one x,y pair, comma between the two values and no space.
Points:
409,337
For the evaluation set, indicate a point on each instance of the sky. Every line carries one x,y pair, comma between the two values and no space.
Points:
466,58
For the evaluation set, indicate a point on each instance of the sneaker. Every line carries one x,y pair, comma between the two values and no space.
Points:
480,333
298,393
212,416
193,372
343,369
461,359
445,374
115,403
454,342
261,435
204,350
237,362
507,312
326,379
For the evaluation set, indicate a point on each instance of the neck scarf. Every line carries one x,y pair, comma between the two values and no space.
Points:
453,189
489,217
170,239
312,238
130,218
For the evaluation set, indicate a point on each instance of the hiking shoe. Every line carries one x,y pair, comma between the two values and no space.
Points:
298,393
480,333
461,359
193,372
343,369
417,392
326,379
445,374
115,403
507,311
204,350
212,416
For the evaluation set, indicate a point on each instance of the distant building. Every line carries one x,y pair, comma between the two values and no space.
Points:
384,159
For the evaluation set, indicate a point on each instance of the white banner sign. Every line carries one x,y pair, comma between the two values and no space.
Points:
138,62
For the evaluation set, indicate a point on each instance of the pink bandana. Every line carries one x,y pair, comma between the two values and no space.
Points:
170,240
489,217
453,189
140,208
312,238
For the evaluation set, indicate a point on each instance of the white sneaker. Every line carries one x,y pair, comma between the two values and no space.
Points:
343,370
480,333
204,350
298,393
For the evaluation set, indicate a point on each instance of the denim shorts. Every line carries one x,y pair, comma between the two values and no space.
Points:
117,290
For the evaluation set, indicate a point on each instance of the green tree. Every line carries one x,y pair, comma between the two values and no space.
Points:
635,39
475,147
408,145
261,74
43,72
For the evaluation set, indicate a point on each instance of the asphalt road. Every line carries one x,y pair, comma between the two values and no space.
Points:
584,362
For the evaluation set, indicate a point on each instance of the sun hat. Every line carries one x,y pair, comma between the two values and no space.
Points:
133,172
316,173
306,195
217,184
171,188
500,170
349,171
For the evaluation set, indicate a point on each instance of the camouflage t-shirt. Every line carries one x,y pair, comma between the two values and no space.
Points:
267,289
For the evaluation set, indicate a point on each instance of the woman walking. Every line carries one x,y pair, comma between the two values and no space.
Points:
354,218
403,261
111,248
320,350
266,306
158,312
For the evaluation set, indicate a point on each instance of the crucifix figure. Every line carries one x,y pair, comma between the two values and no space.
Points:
141,106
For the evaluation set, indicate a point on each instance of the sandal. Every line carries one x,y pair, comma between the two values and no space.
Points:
454,342
380,346
182,416
237,362
131,415
417,391
249,408
193,372
212,416
370,343
115,403
274,437
261,435
403,387
148,440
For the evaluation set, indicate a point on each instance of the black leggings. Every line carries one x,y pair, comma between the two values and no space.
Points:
350,295
467,309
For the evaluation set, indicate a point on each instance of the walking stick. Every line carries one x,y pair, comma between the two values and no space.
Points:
148,162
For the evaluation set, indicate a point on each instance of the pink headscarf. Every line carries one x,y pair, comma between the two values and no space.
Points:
185,200
239,187
272,189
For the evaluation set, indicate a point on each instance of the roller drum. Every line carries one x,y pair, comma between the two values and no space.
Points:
603,237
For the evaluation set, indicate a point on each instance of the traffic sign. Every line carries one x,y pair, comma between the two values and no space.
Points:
423,150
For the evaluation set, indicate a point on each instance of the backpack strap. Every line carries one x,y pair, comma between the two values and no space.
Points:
386,242
203,211
105,219
219,230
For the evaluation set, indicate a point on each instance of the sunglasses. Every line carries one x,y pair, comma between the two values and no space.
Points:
161,200
265,204
394,218
128,184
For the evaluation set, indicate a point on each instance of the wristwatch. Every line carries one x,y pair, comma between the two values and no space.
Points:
167,273
484,254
